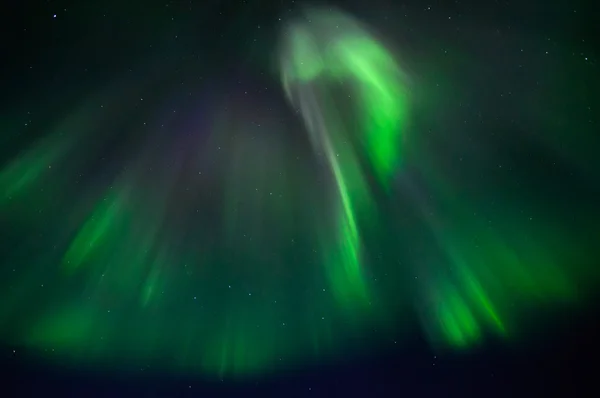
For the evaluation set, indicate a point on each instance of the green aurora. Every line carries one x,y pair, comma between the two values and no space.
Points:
276,270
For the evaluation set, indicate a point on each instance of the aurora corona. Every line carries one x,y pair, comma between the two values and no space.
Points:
240,238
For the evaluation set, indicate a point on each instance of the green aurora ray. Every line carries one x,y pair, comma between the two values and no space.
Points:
235,257
314,58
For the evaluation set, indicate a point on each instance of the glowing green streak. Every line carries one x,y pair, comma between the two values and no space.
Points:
28,169
479,296
383,99
95,230
314,54
349,282
150,287
353,54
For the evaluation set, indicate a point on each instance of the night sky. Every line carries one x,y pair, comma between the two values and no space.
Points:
287,198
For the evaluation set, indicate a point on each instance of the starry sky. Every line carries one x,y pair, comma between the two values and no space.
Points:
242,191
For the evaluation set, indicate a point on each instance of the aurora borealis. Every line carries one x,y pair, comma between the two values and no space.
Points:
360,188
313,60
